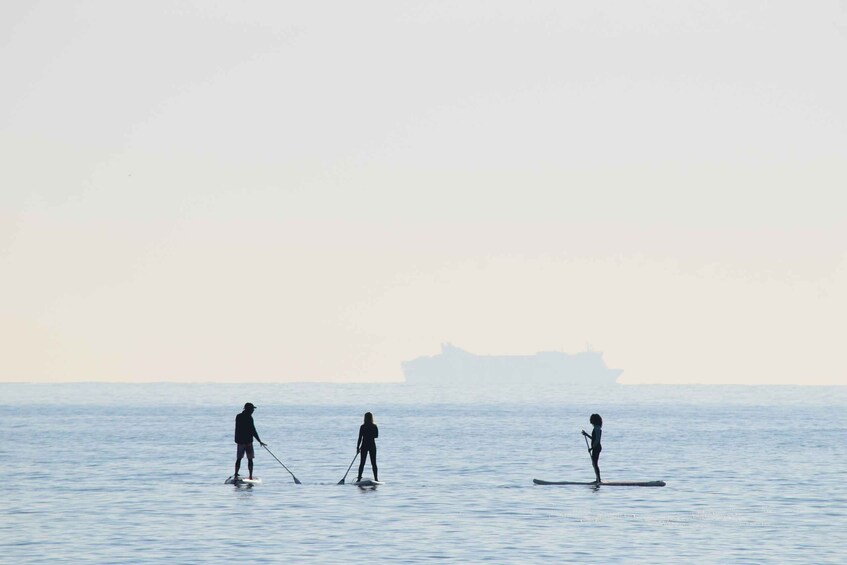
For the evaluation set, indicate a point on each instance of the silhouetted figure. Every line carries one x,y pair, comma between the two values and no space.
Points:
595,448
245,431
366,444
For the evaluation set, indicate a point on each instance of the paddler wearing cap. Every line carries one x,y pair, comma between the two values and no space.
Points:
245,431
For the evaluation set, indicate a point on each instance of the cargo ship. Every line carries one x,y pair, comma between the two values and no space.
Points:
457,366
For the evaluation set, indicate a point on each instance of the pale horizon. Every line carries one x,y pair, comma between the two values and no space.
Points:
288,192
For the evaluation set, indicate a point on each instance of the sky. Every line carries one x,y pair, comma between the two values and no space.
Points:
317,191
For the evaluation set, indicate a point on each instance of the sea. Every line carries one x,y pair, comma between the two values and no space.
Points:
134,473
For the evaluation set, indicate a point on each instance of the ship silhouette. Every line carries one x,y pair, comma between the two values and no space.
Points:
457,366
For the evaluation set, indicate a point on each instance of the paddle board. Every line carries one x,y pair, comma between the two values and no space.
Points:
243,481
604,484
367,483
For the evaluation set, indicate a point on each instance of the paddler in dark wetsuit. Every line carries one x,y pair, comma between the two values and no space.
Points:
245,431
366,444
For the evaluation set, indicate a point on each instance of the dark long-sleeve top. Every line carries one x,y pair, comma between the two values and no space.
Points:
245,430
367,436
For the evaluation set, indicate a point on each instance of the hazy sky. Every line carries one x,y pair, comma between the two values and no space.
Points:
269,191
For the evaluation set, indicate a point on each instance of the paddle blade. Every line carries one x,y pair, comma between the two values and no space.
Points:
296,481
341,482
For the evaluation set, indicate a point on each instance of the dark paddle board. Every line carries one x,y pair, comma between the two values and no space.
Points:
604,483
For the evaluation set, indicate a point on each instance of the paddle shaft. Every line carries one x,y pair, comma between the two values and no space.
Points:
589,451
296,481
590,456
341,482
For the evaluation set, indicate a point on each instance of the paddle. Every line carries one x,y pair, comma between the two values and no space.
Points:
341,482
283,465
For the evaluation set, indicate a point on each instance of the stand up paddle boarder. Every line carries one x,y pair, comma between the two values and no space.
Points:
595,448
245,431
366,444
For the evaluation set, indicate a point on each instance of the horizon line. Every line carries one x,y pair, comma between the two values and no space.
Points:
579,385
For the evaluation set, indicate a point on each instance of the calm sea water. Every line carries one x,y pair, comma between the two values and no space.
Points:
109,473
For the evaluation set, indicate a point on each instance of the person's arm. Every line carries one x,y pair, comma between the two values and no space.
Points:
359,441
376,432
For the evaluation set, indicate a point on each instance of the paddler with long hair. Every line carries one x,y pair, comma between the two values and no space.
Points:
366,444
595,448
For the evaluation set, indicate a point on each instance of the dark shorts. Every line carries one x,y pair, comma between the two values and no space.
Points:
245,448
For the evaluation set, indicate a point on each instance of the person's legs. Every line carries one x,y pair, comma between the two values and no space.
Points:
362,463
239,454
595,461
250,455
372,454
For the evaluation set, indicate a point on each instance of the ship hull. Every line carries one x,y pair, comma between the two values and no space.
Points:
456,366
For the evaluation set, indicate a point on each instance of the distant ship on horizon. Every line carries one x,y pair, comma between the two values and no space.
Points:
457,366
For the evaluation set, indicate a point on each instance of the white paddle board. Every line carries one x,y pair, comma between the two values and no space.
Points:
367,483
243,481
